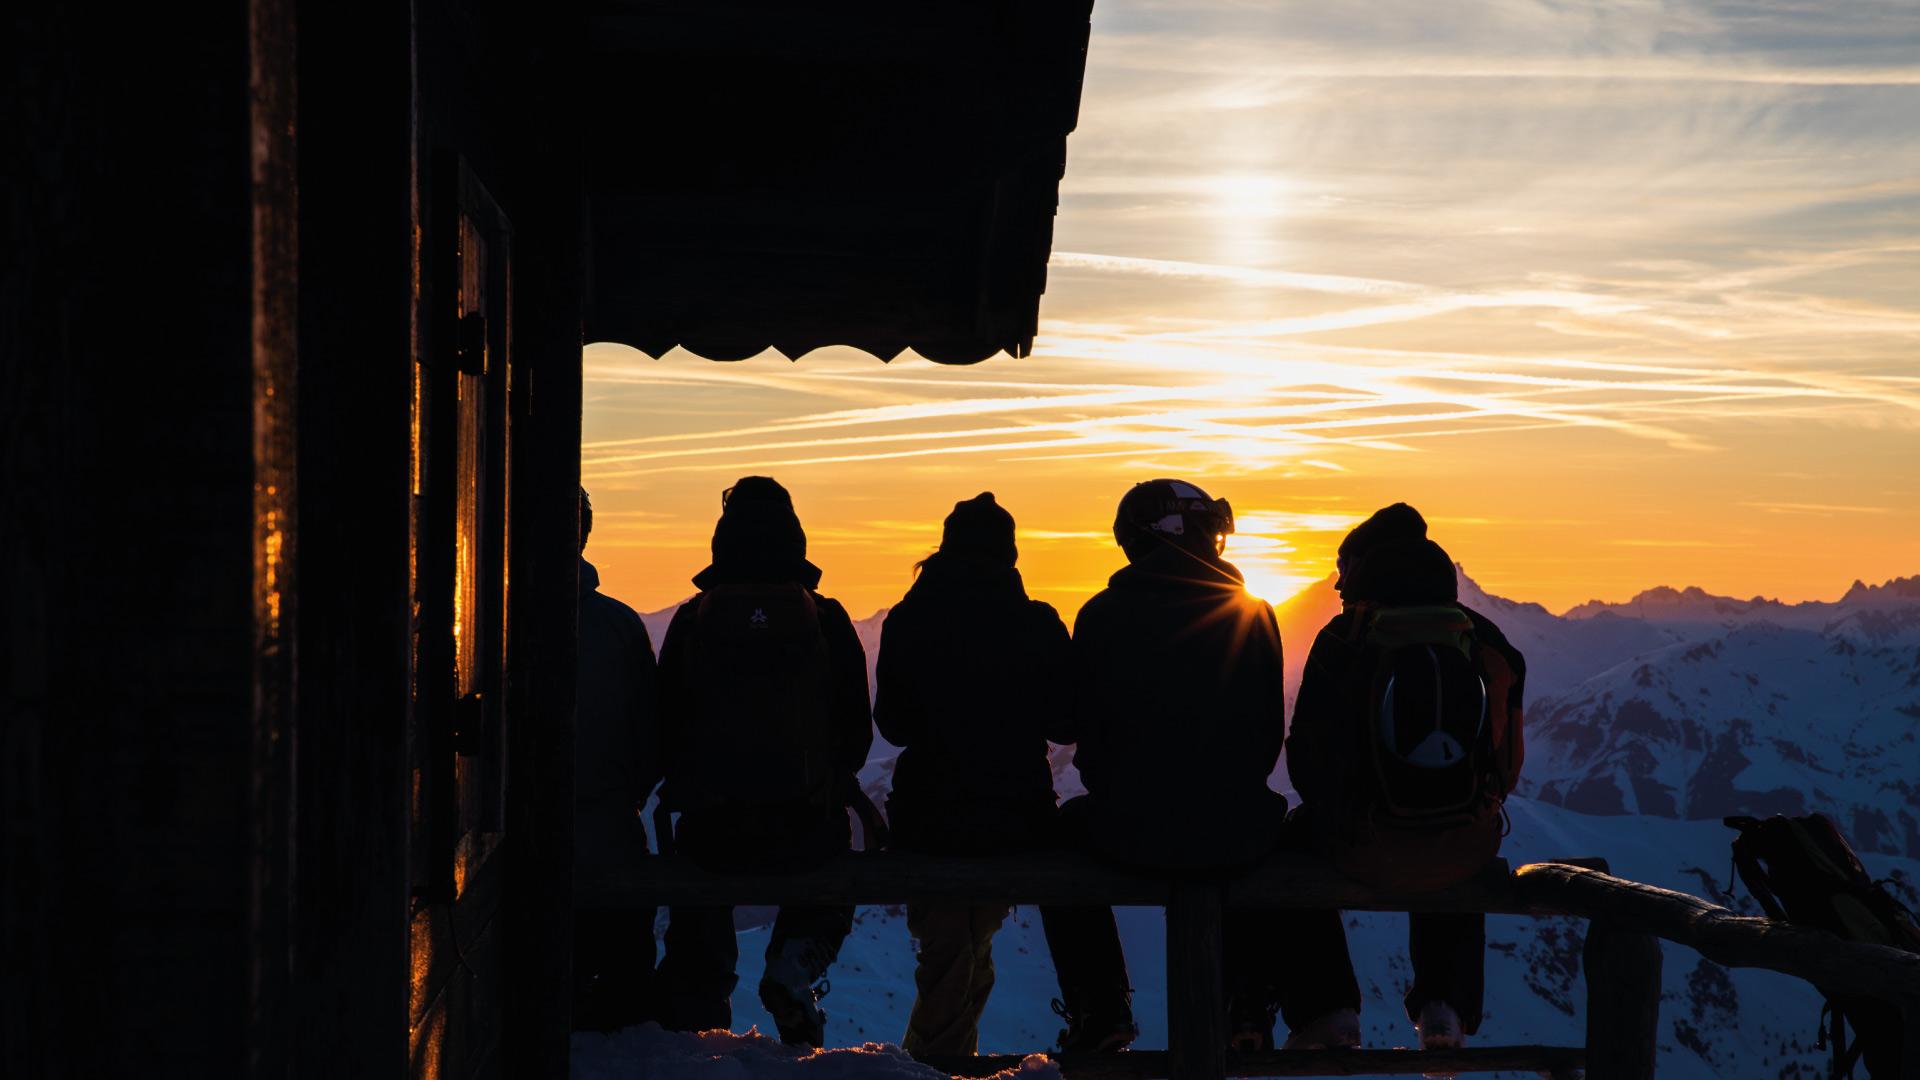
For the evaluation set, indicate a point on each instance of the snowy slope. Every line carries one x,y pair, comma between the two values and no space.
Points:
1763,719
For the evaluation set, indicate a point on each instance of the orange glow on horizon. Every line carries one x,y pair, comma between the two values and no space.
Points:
1612,318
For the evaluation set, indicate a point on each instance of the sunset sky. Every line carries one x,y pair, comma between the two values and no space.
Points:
1619,293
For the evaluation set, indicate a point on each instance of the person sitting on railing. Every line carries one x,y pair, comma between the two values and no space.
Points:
1179,720
972,682
765,718
616,763
1406,740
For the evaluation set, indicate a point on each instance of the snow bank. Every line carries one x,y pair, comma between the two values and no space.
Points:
647,1051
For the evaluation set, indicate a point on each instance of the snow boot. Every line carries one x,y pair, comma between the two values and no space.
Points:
791,989
1096,1031
1439,1028
1337,1030
1250,1027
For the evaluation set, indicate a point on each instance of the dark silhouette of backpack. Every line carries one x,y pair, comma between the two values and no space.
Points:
761,683
1803,871
1429,724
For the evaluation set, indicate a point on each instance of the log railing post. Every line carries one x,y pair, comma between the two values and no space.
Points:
1196,994
1910,1030
1623,1002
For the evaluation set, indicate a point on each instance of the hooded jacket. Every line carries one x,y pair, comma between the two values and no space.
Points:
1179,713
759,541
973,682
616,726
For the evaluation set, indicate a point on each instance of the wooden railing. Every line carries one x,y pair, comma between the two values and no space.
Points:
1621,957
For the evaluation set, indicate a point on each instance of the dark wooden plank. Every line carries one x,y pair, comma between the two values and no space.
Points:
1196,995
890,878
1285,881
1623,1002
1554,1061
1910,1029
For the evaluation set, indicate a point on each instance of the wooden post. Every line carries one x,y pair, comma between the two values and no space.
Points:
1196,995
1910,1030
1623,1002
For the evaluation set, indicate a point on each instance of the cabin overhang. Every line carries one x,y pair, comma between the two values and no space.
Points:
885,176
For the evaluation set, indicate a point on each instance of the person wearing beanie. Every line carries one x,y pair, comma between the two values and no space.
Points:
1179,718
1387,524
765,724
972,683
616,763
1388,565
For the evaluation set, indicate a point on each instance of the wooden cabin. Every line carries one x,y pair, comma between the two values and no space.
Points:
295,293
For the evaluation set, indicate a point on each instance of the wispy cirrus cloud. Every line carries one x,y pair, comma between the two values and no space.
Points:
1613,262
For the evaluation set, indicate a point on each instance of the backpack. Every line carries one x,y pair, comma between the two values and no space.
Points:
1803,871
1435,703
761,687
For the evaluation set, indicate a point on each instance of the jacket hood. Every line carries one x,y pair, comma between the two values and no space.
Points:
1174,564
589,578
758,539
959,574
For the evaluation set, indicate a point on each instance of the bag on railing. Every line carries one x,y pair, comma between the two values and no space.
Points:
1802,871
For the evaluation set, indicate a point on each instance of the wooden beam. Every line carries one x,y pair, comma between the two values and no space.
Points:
1554,1061
1819,957
1284,881
1910,1032
1623,1002
1196,992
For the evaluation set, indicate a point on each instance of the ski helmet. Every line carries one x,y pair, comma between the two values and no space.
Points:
1174,512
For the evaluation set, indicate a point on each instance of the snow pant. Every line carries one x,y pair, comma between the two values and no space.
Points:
952,975
1447,950
613,955
696,977
1449,954
1295,963
1085,939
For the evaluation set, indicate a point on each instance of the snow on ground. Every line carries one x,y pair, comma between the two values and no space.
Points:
647,1051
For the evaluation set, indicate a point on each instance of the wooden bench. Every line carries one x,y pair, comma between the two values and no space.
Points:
1621,958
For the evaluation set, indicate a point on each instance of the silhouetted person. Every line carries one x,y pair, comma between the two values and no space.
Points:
973,682
764,707
1180,718
1406,738
616,763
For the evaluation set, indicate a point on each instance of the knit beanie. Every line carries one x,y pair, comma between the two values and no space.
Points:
981,528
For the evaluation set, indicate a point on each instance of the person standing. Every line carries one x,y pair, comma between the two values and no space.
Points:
765,725
1179,720
616,763
1407,737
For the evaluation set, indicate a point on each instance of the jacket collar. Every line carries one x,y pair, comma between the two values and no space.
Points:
1171,565
945,574
801,573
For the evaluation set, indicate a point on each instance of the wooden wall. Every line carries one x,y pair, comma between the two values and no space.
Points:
207,844
126,541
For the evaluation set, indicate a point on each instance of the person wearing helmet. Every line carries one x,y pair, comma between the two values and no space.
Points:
1178,723
1375,812
616,763
972,683
764,709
